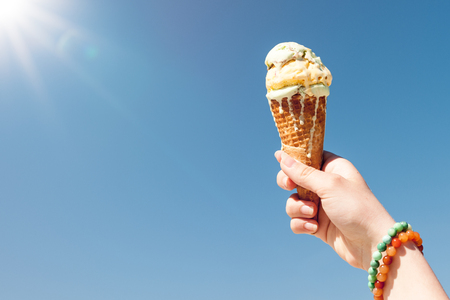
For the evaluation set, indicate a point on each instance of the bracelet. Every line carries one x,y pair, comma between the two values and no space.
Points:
400,233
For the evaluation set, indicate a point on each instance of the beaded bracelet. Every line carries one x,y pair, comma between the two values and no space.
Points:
400,233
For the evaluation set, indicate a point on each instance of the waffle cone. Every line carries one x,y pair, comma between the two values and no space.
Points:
301,125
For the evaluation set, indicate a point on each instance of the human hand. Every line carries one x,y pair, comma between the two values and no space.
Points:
351,219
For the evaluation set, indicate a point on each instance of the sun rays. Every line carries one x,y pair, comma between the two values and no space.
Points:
30,26
37,36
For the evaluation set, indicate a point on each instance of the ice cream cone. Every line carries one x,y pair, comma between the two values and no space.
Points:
301,124
297,84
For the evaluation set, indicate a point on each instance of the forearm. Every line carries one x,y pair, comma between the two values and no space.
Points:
410,277
354,223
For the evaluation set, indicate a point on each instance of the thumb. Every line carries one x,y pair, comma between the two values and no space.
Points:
303,175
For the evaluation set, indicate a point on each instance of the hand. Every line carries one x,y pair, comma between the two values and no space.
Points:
351,219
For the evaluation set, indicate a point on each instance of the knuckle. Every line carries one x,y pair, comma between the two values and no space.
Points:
289,210
335,181
280,179
280,183
290,207
296,226
292,211
306,173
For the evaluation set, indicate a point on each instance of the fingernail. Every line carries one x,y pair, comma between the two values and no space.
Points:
310,227
288,161
307,210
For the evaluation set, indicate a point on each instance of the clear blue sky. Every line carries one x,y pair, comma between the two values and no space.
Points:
136,157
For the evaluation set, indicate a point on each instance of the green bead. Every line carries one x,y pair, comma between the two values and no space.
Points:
392,232
405,225
372,271
387,239
374,264
372,278
377,255
371,285
381,247
409,227
398,227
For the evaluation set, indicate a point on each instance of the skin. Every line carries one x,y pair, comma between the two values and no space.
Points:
352,221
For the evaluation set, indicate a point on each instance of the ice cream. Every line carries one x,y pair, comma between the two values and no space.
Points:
297,89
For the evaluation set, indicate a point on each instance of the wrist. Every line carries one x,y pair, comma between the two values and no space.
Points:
377,229
399,238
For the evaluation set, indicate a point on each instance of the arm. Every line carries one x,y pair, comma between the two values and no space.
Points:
410,277
352,221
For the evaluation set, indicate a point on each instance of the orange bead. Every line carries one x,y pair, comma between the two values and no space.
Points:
378,297
381,277
396,242
410,234
403,237
419,242
379,284
384,269
387,260
377,292
416,236
391,251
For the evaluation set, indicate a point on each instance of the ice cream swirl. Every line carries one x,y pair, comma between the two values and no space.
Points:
291,64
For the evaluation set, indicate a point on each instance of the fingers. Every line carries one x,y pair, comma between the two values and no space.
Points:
278,155
300,212
296,208
300,226
304,176
285,182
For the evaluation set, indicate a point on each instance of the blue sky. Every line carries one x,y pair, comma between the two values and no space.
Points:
137,144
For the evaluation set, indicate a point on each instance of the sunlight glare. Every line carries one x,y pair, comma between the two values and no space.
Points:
12,11
30,27
25,25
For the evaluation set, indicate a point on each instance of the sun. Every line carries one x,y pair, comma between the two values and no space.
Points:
22,23
28,27
42,29
13,11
